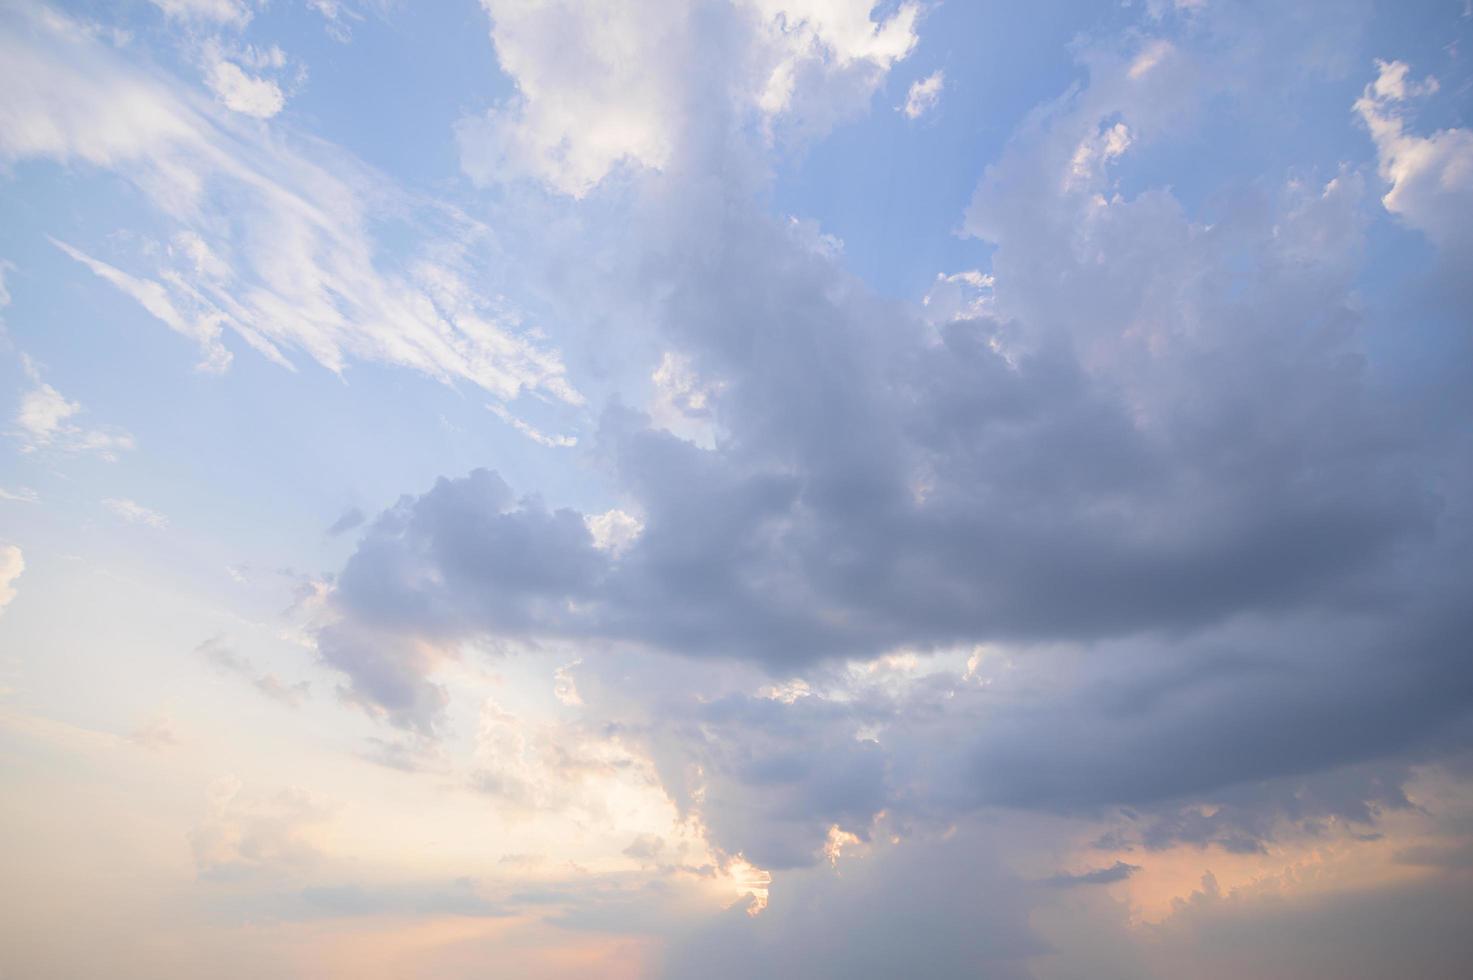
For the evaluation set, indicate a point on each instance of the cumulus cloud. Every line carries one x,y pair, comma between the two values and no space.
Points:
244,93
625,99
1430,177
1125,534
1142,454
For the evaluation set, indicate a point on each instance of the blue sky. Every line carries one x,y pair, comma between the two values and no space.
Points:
816,487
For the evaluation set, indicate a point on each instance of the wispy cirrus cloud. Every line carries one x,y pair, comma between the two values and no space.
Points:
135,513
303,272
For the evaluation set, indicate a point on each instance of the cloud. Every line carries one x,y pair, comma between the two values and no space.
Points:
945,910
218,651
153,297
565,685
924,95
135,513
614,530
335,18
243,836
234,13
622,99
12,564
1431,177
244,93
1119,871
44,422
531,431
1144,459
275,235
1127,534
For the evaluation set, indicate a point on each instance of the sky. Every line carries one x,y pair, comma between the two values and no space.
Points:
688,489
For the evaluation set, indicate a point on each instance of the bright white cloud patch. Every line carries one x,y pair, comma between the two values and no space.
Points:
614,530
924,95
1430,177
259,97
304,268
605,86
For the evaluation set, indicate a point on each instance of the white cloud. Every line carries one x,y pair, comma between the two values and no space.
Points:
1431,177
12,564
65,100
153,297
298,267
44,422
23,495
258,97
201,257
924,94
529,430
1094,152
614,530
135,513
600,86
335,16
1152,55
962,295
